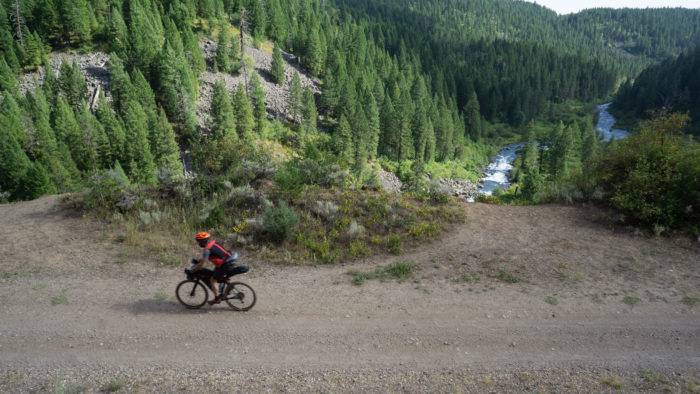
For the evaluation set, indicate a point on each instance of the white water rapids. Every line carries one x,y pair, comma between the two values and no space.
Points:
496,175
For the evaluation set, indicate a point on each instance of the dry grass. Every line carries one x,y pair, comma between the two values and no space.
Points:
613,381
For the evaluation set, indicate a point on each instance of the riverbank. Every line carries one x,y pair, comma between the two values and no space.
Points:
497,175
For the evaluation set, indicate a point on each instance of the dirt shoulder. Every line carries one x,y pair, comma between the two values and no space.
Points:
519,298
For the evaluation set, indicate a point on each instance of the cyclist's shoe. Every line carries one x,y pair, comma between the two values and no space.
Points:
216,300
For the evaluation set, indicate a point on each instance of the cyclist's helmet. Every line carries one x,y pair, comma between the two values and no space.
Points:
202,237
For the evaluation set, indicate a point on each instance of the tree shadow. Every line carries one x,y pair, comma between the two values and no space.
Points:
152,306
265,75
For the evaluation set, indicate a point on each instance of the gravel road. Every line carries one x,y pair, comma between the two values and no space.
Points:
75,319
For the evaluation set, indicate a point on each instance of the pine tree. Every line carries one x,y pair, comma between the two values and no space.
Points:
14,163
146,33
120,84
430,145
472,117
13,119
223,117
387,145
44,147
277,70
75,19
143,93
245,121
531,156
590,146
35,183
222,60
70,133
360,128
295,103
444,134
8,81
177,90
316,53
259,106
374,127
258,20
192,51
95,143
533,183
72,83
235,56
114,130
276,29
343,142
564,159
34,54
141,167
405,144
310,114
164,147
46,18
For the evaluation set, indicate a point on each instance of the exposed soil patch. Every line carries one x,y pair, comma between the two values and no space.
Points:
474,315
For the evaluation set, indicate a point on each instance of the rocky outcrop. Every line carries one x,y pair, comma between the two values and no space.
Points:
93,65
389,182
459,188
277,96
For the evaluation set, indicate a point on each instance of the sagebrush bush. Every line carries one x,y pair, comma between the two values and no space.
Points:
279,222
107,190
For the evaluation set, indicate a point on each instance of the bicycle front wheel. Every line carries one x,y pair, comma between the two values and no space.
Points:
191,294
240,296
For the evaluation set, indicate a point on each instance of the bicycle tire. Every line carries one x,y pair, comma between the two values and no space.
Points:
198,288
241,288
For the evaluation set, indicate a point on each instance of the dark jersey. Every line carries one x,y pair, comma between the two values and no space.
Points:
215,253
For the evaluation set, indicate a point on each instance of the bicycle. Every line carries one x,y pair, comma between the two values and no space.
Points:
193,294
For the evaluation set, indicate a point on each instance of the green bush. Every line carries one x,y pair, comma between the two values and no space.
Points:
214,215
393,244
654,176
279,221
108,190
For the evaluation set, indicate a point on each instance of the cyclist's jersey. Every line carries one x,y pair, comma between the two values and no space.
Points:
215,253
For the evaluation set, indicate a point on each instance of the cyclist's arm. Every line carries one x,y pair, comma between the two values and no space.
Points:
202,260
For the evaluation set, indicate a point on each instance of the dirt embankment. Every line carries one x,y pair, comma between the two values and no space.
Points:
519,298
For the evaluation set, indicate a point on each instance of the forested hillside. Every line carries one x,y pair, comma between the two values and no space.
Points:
519,56
419,88
673,85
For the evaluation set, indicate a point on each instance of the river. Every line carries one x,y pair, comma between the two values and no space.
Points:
497,174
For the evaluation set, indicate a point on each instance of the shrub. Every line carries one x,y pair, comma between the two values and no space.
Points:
393,244
400,270
654,176
322,251
279,221
108,190
424,230
507,277
213,215
439,193
113,386
358,248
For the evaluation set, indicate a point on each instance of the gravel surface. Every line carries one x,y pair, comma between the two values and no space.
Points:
76,316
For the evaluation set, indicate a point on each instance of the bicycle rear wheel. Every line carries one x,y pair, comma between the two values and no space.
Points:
191,294
240,296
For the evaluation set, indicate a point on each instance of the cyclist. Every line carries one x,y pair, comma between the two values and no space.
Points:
221,258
